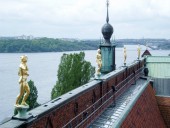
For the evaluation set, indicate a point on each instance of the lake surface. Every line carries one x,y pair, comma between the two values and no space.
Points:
43,71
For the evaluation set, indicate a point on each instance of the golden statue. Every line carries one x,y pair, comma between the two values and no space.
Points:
125,55
99,61
138,49
24,87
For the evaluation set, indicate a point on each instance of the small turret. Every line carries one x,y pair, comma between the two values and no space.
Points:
107,48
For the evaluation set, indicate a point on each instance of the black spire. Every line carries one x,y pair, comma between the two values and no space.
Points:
107,29
107,18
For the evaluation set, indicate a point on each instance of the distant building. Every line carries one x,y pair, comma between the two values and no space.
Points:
24,37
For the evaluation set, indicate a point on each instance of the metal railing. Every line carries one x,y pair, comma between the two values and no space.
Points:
92,111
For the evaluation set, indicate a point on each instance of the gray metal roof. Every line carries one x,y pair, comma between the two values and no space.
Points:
159,71
115,114
159,66
161,86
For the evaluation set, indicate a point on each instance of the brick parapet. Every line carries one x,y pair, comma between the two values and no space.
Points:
59,112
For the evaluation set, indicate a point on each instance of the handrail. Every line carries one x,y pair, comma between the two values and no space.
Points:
93,105
102,104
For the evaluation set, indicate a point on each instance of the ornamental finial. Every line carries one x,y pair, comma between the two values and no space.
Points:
107,4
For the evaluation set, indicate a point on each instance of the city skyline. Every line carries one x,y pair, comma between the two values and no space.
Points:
84,19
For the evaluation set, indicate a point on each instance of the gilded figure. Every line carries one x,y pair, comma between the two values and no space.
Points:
24,87
99,61
125,55
138,49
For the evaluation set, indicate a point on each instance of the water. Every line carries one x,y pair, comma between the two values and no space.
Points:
43,71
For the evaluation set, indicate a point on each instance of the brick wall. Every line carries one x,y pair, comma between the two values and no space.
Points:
61,115
164,107
145,113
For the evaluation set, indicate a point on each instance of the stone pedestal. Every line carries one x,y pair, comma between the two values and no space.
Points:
125,66
97,75
22,112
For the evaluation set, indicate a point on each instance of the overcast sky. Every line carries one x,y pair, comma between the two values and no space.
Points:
84,18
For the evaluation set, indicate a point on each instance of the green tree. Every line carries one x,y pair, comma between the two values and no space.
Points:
73,72
32,98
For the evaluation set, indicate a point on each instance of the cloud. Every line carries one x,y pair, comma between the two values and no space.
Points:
84,18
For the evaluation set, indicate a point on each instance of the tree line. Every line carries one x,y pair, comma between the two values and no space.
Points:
44,45
59,45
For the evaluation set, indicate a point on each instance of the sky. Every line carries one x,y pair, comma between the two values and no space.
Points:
83,19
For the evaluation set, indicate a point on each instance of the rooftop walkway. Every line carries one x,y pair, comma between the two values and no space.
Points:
115,114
